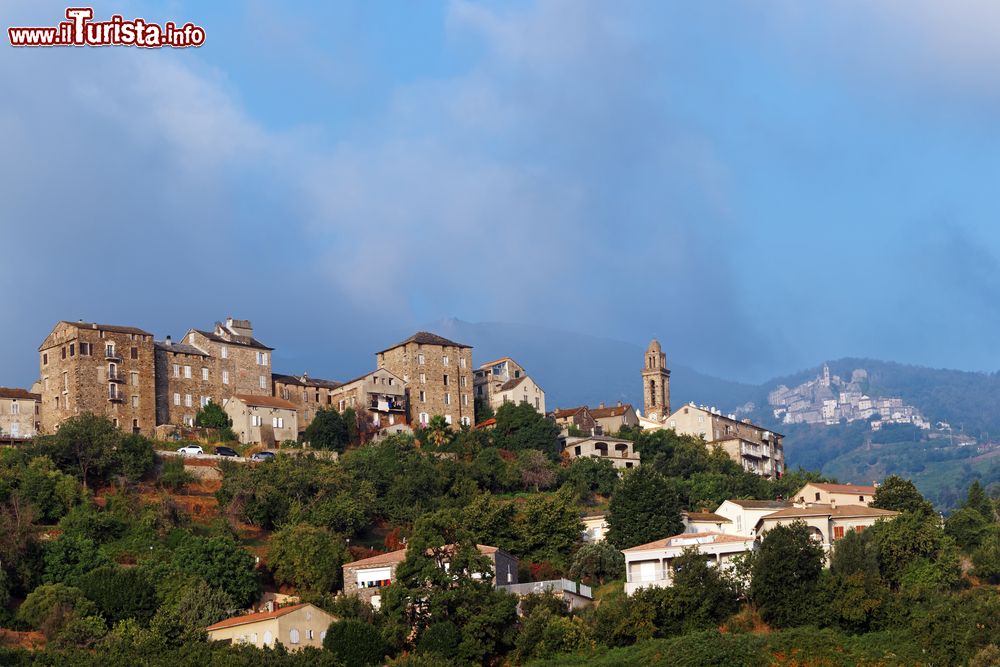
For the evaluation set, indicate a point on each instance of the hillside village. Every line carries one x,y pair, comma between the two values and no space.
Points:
189,491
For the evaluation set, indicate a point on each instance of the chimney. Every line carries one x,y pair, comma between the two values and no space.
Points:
833,503
168,341
269,606
619,404
601,404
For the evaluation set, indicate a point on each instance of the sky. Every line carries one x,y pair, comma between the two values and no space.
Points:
759,185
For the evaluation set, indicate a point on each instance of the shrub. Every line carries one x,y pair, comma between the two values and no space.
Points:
355,643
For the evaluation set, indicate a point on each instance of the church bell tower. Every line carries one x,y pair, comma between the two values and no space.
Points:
656,384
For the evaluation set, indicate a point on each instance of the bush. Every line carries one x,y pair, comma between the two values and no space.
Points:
49,599
119,593
355,643
173,476
599,561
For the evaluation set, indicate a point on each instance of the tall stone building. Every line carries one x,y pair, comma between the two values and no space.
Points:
209,366
438,375
379,398
656,384
103,369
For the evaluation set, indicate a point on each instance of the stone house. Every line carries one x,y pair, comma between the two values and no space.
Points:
620,452
308,394
843,494
264,419
379,396
104,369
649,565
295,627
579,418
367,577
505,381
20,416
756,448
615,418
437,373
827,523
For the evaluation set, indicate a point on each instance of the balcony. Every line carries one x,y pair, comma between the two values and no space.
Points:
116,377
754,451
112,355
116,398
383,405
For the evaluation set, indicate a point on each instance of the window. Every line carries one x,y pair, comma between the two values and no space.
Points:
72,349
204,373
85,349
191,338
420,359
423,397
446,380
112,371
225,377
461,381
112,391
284,393
293,636
278,422
838,532
858,529
465,400
134,354
187,372
263,382
62,353
817,496
177,399
447,419
46,382
224,352
261,358
109,349
423,378
424,419
447,399
45,359
205,400
861,498
309,633
187,400
189,420
135,378
65,381
14,409
255,420
444,360
461,362
177,371
135,401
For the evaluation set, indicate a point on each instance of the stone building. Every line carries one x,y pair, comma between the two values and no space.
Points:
209,366
20,416
295,626
367,577
620,452
308,394
614,418
655,384
578,418
379,396
104,369
265,419
505,381
438,375
756,448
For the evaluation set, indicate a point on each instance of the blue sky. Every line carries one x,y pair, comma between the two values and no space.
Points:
760,185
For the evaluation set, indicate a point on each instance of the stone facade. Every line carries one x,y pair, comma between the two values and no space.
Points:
209,366
378,397
107,370
438,376
295,626
655,383
308,394
620,452
262,419
505,381
756,448
615,418
579,418
20,416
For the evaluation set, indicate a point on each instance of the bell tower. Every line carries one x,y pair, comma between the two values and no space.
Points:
656,384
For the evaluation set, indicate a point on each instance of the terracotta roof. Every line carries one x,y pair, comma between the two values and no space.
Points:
14,392
253,618
761,504
840,511
265,401
381,559
362,377
707,516
488,364
179,348
568,412
613,411
689,539
304,381
852,489
489,422
510,384
425,338
234,339
108,327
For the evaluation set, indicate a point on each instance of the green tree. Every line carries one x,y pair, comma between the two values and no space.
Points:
597,562
482,410
548,527
986,559
645,507
189,608
50,599
967,527
222,564
83,445
70,557
328,431
536,470
212,416
307,557
119,593
519,426
786,570
588,476
910,541
174,476
978,500
900,495
438,431
355,643
699,596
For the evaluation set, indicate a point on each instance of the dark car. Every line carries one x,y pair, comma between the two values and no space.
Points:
226,451
263,456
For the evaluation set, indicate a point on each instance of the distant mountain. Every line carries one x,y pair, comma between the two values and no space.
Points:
576,369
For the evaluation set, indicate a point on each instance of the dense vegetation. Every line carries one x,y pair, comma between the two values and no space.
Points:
102,558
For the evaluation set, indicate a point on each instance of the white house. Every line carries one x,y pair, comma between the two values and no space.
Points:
652,564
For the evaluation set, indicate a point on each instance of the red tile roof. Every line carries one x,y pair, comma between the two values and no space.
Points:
259,616
717,538
707,516
14,392
840,511
568,412
852,489
265,401
397,556
613,411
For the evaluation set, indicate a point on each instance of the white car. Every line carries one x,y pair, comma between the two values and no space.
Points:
191,450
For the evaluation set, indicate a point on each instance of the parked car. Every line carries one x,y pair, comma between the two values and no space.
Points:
225,451
191,450
263,456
